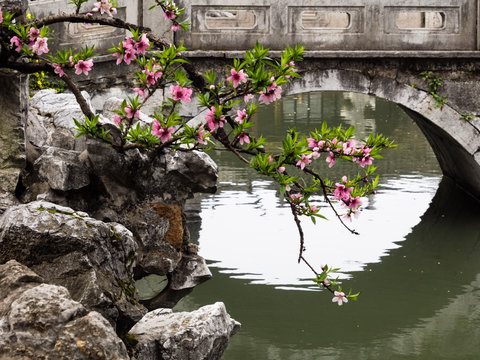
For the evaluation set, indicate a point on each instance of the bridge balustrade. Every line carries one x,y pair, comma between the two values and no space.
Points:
433,25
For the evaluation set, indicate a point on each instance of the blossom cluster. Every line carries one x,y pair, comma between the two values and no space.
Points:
130,48
36,43
335,148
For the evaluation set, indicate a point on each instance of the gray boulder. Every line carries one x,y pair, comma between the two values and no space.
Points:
41,321
92,259
13,115
198,335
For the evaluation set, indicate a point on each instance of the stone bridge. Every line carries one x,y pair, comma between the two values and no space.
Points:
375,47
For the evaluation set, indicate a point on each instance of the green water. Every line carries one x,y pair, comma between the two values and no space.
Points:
416,260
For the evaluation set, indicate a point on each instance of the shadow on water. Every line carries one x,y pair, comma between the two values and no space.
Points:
415,302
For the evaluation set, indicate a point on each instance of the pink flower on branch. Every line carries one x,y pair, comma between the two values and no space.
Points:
212,121
305,160
339,298
1,15
244,138
142,45
201,136
117,119
241,115
342,192
119,57
104,7
83,66
140,92
237,77
129,112
58,69
330,159
273,93
181,94
129,56
40,46
175,27
169,14
15,41
163,134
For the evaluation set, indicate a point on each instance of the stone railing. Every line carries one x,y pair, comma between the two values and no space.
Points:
434,25
382,25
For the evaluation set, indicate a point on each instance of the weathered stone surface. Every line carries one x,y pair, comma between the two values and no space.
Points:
13,105
50,120
93,259
190,272
63,169
14,6
198,335
41,321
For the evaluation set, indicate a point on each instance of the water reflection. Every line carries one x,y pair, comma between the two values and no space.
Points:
416,260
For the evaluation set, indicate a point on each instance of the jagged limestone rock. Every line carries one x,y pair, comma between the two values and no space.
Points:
202,334
41,321
13,105
93,259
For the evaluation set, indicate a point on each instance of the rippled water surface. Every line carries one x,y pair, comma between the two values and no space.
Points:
416,260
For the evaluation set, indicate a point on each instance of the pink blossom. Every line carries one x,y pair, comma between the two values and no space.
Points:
180,93
313,209
311,143
237,77
273,93
365,160
58,69
129,56
342,192
143,44
34,33
104,7
128,43
169,14
129,112
1,15
119,57
354,203
330,159
270,158
15,41
212,87
83,66
117,119
304,161
175,27
241,114
150,79
296,197
212,121
248,97
349,148
201,136
40,46
339,298
344,179
244,138
70,61
291,70
281,169
140,92
163,134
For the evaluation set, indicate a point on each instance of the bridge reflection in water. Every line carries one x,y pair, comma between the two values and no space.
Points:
416,260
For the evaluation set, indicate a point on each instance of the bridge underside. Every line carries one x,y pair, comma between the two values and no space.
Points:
454,140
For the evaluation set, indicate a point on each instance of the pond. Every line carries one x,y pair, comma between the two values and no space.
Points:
415,262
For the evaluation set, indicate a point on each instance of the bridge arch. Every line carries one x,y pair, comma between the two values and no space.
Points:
454,140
